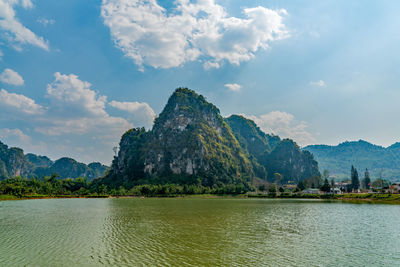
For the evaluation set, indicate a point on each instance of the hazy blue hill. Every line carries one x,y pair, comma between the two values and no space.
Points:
13,163
338,159
70,168
97,169
39,161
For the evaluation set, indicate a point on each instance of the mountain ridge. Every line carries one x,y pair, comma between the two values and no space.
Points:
337,159
13,162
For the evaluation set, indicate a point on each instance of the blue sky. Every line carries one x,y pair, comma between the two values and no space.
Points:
74,75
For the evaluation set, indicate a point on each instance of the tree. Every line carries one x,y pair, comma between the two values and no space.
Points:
333,182
281,190
261,187
272,188
355,182
367,180
301,186
380,183
325,187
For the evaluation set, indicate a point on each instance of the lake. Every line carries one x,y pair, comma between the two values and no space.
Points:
197,232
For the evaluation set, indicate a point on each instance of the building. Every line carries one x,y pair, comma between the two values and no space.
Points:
310,191
336,191
343,187
394,188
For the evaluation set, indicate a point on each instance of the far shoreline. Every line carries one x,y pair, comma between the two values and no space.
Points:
372,198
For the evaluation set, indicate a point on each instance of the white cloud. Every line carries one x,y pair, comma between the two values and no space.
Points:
75,116
139,111
319,83
15,135
26,3
19,103
153,36
233,86
285,125
17,138
69,94
77,109
107,126
74,122
13,30
11,77
45,21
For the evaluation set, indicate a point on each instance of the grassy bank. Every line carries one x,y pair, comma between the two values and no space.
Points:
362,197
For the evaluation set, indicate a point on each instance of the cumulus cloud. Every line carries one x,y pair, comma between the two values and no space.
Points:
319,83
285,125
138,111
14,136
233,86
15,31
17,138
102,126
153,36
19,103
11,77
75,108
69,94
74,122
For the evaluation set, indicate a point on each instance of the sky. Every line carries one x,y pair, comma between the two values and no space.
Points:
75,75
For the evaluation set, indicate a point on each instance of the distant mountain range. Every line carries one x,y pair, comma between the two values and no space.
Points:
380,161
13,162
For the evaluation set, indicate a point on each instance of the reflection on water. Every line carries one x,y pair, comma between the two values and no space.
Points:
197,232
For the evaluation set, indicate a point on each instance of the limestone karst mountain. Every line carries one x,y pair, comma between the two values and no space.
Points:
191,143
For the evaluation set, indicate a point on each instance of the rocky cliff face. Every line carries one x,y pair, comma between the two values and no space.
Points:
13,162
189,143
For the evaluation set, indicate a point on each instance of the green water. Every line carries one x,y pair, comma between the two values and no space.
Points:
197,232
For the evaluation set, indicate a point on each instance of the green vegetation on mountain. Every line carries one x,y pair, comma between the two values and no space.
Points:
249,135
39,161
14,163
191,144
381,162
285,160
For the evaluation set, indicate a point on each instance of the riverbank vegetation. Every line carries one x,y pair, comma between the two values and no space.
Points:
51,187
